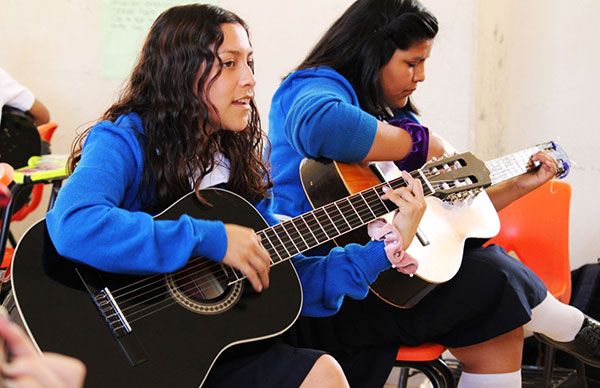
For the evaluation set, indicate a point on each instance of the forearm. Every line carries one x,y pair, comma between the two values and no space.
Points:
39,112
390,143
438,146
503,194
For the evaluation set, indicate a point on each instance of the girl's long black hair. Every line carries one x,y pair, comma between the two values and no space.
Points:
168,89
361,41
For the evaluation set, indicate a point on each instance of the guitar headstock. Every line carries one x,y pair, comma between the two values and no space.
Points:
558,153
456,177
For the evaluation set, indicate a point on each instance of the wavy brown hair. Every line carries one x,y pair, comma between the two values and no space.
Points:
168,89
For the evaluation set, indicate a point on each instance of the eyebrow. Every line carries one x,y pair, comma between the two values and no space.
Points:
234,52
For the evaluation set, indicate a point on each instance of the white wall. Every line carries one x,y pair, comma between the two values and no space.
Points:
54,48
538,80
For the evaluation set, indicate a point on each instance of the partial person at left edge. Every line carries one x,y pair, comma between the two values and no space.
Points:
13,94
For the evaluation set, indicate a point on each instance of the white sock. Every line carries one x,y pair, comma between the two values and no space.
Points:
493,380
555,320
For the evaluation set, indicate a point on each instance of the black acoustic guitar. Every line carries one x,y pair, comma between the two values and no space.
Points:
445,226
169,329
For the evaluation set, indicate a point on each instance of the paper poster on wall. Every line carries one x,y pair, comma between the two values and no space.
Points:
124,25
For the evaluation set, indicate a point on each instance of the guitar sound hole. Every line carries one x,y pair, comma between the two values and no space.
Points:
203,287
205,282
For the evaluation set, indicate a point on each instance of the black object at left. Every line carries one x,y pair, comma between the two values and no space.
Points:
19,138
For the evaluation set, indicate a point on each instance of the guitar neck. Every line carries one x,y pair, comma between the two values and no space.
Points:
321,225
510,166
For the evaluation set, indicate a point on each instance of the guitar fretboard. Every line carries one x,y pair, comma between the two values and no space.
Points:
321,225
510,166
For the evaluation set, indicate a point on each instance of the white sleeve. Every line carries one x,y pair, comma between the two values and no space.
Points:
14,94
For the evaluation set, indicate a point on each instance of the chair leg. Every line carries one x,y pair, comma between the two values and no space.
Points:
436,371
548,365
581,378
403,377
444,371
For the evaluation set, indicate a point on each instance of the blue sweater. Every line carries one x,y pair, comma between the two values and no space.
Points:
314,113
98,220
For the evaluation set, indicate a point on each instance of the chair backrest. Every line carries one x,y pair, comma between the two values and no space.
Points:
536,228
45,131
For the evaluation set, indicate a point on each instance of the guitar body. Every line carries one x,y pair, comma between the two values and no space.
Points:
173,341
444,227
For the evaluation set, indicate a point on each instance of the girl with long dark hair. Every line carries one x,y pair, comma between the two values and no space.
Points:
187,120
349,100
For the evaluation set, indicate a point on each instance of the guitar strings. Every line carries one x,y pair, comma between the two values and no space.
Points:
300,229
360,213
116,291
212,265
364,211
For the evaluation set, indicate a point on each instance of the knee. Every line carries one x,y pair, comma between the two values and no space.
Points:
501,354
326,372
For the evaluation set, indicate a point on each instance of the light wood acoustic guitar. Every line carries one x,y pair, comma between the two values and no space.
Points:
457,209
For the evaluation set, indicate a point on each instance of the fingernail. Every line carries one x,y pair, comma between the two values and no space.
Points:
385,189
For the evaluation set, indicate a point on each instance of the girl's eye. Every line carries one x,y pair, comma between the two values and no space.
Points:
228,63
412,64
251,63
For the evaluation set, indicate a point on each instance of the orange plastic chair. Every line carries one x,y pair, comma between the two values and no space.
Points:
426,359
536,229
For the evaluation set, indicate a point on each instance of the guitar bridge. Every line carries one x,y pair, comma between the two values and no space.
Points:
112,313
113,316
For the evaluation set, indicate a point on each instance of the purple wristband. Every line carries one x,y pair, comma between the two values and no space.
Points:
417,156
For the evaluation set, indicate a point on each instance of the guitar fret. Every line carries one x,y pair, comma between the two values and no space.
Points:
280,240
309,238
271,249
362,208
319,223
295,232
374,191
330,220
367,202
294,249
349,200
351,216
342,214
509,166
309,229
378,207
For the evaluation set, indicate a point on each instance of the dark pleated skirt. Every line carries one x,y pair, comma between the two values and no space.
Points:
278,365
492,294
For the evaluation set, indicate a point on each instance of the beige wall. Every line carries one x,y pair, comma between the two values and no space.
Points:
498,67
537,80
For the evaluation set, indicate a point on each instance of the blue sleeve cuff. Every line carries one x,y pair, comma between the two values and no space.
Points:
372,259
